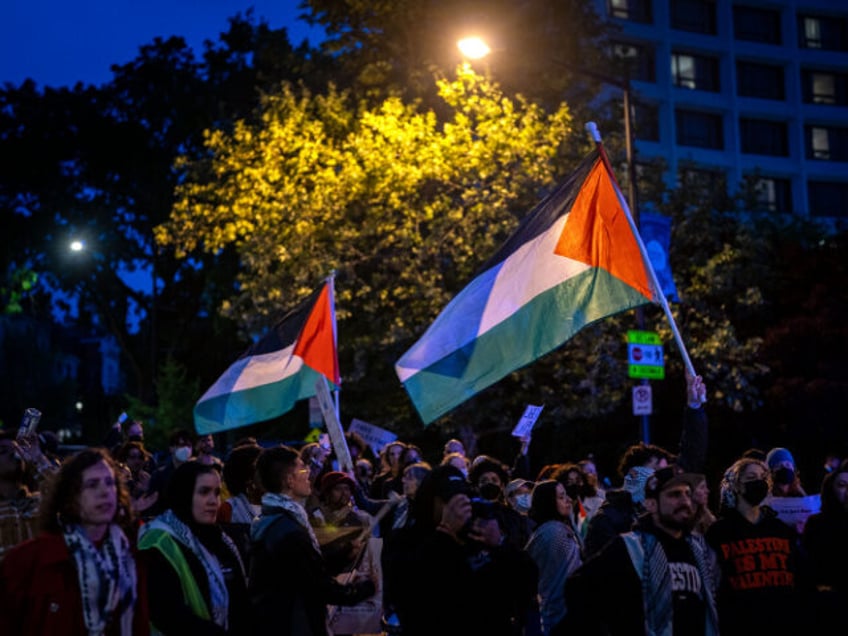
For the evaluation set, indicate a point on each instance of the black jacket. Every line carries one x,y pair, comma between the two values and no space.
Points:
290,586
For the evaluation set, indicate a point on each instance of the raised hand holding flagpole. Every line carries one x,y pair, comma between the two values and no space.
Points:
592,128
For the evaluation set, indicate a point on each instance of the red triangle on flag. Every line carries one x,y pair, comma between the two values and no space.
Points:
316,343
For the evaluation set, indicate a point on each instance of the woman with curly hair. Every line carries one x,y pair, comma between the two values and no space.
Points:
78,576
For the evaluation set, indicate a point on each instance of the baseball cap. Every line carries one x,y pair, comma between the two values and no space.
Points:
666,478
515,484
449,481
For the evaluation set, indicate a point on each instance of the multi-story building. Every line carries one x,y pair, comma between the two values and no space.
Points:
742,88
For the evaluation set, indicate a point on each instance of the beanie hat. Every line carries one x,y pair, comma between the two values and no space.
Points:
777,456
334,478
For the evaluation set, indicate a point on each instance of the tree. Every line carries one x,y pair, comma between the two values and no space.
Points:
403,205
96,163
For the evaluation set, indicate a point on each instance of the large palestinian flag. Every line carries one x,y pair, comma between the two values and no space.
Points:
573,260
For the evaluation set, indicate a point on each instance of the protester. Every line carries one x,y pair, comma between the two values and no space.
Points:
554,547
704,517
586,501
290,586
338,523
204,452
363,471
621,507
388,479
785,480
180,448
453,445
136,458
428,566
519,495
238,512
661,576
758,557
18,504
78,577
458,461
490,476
825,542
195,577
401,516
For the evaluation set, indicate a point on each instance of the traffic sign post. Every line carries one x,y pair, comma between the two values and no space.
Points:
642,400
645,362
645,355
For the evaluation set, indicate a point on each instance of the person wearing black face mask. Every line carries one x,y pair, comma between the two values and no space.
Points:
758,557
786,481
489,478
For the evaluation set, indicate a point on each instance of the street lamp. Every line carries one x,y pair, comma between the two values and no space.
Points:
475,48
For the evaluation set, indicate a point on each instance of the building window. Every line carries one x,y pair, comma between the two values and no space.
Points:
824,87
761,137
698,16
819,32
827,198
694,71
756,25
703,130
773,195
760,80
632,10
708,185
828,143
638,59
646,122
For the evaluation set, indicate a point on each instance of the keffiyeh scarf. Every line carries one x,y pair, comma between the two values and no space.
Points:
277,500
219,596
107,578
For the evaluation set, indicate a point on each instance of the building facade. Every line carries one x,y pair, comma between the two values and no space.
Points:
736,89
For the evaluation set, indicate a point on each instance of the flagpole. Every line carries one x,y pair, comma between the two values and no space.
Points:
331,279
592,128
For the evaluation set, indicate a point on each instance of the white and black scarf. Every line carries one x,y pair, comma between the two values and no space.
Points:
243,510
107,578
279,500
219,595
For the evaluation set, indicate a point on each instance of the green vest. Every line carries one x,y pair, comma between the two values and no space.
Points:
165,543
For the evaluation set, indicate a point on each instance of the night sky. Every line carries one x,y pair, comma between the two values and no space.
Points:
60,43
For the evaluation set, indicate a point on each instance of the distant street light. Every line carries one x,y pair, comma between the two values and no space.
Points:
474,47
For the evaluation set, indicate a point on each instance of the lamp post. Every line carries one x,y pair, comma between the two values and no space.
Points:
476,48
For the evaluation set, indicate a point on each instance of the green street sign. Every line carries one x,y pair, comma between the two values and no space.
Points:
645,355
645,372
643,337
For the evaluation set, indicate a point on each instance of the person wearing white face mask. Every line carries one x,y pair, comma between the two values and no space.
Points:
518,494
180,446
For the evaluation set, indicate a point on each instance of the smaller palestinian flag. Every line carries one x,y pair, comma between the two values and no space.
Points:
277,371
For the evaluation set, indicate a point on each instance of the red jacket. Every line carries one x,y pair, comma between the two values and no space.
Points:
40,593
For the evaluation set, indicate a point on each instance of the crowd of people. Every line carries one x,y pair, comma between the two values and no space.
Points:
278,540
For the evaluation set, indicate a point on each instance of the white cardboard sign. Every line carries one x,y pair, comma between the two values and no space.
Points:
527,421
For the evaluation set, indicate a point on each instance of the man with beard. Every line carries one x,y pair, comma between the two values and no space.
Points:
18,506
660,577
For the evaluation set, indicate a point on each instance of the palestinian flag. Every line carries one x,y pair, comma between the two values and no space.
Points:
573,260
277,371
